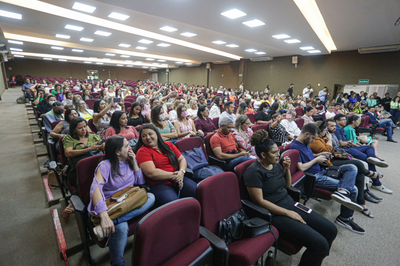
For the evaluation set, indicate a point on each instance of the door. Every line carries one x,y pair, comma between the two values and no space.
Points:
154,77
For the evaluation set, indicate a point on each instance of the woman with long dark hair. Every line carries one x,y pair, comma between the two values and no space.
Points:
216,108
101,115
117,170
135,117
163,166
204,123
119,126
262,117
167,130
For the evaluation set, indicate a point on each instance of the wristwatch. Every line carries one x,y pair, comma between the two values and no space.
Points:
183,170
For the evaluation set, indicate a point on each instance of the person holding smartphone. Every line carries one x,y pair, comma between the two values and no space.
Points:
266,182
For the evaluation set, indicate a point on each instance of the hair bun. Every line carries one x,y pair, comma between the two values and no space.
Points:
258,137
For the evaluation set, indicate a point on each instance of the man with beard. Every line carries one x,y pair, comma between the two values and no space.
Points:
345,190
290,125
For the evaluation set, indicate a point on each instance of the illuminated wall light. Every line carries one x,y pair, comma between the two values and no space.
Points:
83,7
118,16
8,14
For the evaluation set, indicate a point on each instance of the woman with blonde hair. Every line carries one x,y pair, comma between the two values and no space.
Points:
193,108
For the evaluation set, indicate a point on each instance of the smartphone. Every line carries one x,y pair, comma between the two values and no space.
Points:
302,207
288,116
102,141
117,100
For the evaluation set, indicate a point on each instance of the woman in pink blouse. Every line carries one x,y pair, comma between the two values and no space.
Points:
243,133
119,126
184,124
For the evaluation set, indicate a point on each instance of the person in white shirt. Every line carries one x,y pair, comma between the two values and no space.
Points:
241,86
173,115
257,102
216,108
229,107
290,125
307,91
322,94
329,113
220,90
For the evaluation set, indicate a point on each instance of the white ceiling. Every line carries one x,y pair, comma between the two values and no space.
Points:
352,25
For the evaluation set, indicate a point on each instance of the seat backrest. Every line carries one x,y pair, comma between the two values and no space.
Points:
252,118
62,152
300,122
127,105
78,93
208,145
55,123
365,121
85,172
219,197
189,144
239,171
92,126
324,115
166,231
299,111
268,130
294,158
90,103
215,121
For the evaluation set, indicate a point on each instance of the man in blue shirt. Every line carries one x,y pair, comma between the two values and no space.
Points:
27,89
229,108
345,190
54,115
385,123
322,94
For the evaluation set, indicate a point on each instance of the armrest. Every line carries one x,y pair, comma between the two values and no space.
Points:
294,193
77,203
309,184
215,161
189,173
145,186
253,210
219,247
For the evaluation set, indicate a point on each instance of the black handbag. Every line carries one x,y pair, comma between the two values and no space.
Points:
231,228
334,172
255,227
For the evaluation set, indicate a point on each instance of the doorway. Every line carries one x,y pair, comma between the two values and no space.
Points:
337,88
154,77
93,75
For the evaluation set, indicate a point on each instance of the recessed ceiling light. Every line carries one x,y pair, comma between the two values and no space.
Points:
77,50
163,44
188,34
18,55
86,39
102,33
106,59
7,14
305,48
162,60
145,41
149,59
16,49
145,67
57,48
179,63
62,60
233,13
99,63
108,54
292,41
314,51
87,62
281,36
251,50
118,16
72,27
140,47
120,65
93,58
253,23
62,36
156,63
124,45
260,52
139,62
128,61
15,42
125,56
232,45
219,42
47,58
83,7
168,28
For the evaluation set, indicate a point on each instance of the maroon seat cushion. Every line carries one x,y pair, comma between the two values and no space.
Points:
296,176
288,247
322,193
189,254
246,251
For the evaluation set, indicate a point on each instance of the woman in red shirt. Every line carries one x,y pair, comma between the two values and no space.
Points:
119,126
163,166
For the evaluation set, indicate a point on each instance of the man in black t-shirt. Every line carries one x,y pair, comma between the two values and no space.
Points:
290,90
386,102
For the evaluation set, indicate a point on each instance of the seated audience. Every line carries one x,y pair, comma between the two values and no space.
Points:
67,101
75,100
225,146
39,96
288,122
395,108
204,123
119,126
266,182
243,133
344,190
262,116
308,115
57,113
193,108
229,107
46,105
167,130
185,125
242,109
86,94
135,118
163,166
101,116
117,170
329,112
173,114
84,111
278,132
216,108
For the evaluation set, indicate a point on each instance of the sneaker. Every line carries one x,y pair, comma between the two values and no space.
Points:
383,189
344,200
98,232
392,140
349,224
377,162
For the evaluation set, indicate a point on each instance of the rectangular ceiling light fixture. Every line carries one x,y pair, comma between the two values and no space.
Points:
281,36
305,48
219,42
57,48
18,55
163,44
77,50
140,47
118,16
86,40
72,27
83,7
168,28
108,54
125,56
102,33
314,51
8,14
251,50
145,41
292,41
47,58
260,52
188,34
16,49
312,14
15,42
232,45
99,63
150,59
62,60
125,45
119,65
161,60
145,67
253,23
233,13
87,62
62,36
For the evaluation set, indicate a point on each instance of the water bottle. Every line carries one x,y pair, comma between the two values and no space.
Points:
269,261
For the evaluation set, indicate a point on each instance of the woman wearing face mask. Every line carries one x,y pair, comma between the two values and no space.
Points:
185,125
262,116
84,111
165,127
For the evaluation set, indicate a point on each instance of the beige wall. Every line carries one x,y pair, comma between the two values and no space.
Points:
40,68
189,75
225,75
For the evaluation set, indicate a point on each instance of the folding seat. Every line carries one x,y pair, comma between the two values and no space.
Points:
211,156
92,126
215,121
129,100
77,93
252,118
300,122
95,94
174,233
127,105
131,97
90,103
235,109
219,198
259,127
299,111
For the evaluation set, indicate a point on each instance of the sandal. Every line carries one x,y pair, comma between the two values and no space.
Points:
367,213
67,211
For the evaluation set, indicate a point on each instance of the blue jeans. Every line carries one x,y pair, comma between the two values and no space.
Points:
349,174
118,239
396,114
388,126
362,153
232,164
165,193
